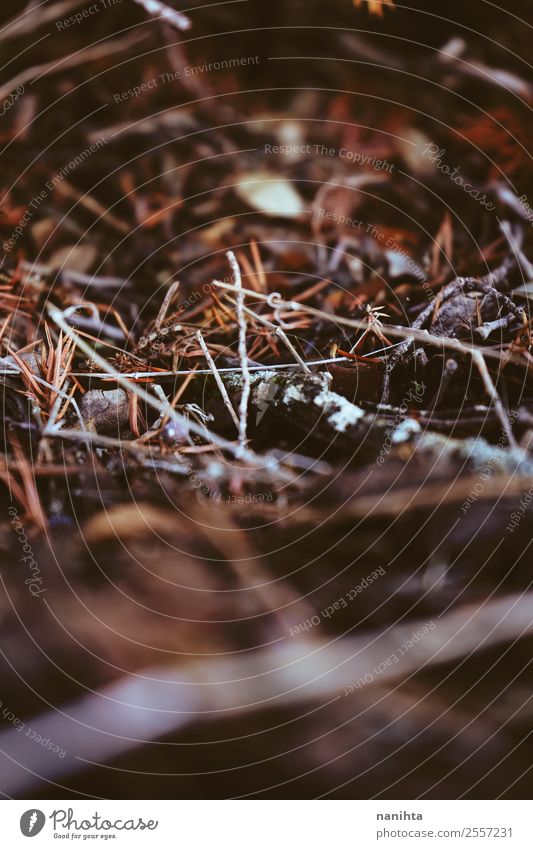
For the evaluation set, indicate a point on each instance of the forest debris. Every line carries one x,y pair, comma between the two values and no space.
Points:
271,195
392,492
201,430
77,258
414,333
308,402
467,308
105,410
408,334
218,379
81,57
463,308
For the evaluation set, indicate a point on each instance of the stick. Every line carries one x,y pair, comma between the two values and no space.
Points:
71,60
165,306
167,14
477,358
218,379
281,333
243,355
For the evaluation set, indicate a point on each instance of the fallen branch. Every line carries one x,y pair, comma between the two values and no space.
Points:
477,354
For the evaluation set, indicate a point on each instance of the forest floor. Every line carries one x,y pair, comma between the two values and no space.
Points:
268,409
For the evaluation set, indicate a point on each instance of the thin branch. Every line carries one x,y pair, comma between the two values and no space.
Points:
243,354
477,358
30,20
71,60
165,306
167,14
218,379
138,375
514,244
281,333
421,336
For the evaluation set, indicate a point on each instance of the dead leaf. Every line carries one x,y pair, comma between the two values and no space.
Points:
74,258
270,195
105,410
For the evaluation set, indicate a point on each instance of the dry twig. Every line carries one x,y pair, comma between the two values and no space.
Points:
218,379
243,355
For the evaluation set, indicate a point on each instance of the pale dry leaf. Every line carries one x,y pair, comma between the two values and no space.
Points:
270,194
74,258
105,410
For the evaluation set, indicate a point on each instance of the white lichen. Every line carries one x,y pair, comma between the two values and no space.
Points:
481,456
405,431
340,413
294,393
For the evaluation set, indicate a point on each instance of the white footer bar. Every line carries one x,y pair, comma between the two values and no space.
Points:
267,824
